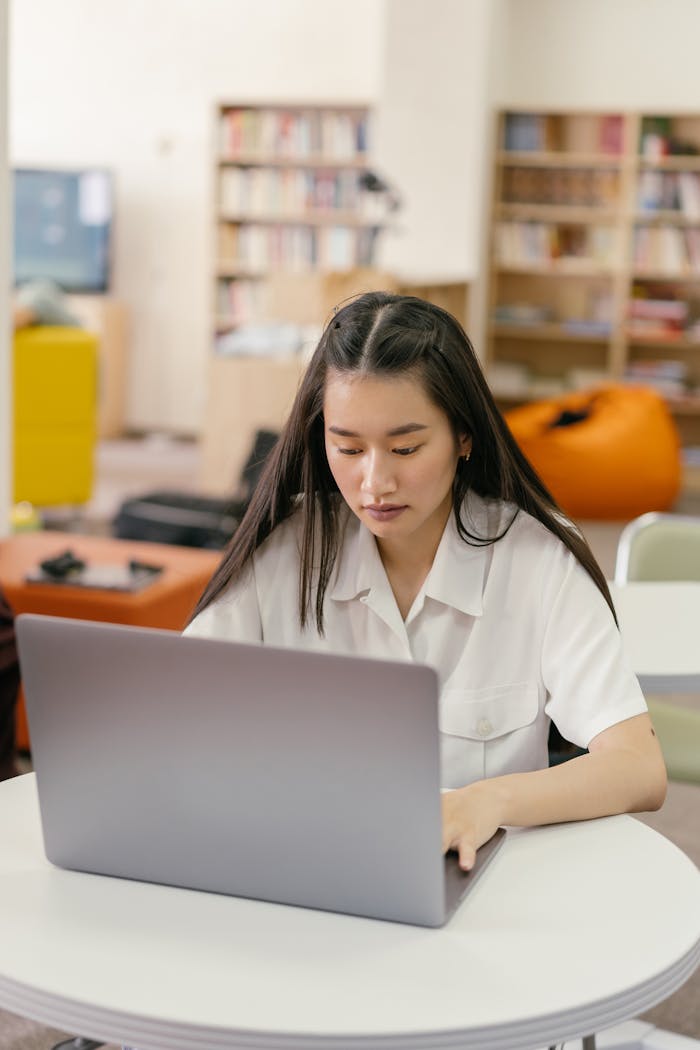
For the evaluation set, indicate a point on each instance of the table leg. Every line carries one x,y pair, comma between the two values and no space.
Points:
587,1043
77,1043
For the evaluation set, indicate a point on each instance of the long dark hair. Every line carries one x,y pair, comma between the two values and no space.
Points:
384,334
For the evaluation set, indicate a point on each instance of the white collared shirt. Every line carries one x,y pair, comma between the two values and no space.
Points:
517,631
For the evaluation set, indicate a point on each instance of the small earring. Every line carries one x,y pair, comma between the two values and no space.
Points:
466,456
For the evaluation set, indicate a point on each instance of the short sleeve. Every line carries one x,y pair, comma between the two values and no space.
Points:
590,684
234,616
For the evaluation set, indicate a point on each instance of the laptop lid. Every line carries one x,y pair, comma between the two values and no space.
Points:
297,777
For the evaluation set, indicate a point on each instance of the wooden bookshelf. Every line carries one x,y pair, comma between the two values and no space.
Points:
290,197
294,232
595,256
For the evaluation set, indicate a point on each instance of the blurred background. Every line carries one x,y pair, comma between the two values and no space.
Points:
204,184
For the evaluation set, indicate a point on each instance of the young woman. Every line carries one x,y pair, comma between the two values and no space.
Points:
397,518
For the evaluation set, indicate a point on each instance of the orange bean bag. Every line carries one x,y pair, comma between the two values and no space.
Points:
620,459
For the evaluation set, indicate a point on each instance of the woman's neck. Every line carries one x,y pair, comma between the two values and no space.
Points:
408,560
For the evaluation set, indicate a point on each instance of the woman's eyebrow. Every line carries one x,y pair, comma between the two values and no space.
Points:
407,428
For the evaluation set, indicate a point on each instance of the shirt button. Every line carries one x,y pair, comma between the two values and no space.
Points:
484,727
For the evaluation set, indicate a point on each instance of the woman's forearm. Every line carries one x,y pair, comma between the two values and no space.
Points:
594,785
624,772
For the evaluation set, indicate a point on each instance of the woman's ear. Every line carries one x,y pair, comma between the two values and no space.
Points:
465,445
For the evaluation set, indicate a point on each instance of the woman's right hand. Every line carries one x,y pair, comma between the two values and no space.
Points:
470,817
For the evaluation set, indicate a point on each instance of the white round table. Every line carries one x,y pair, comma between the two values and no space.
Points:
659,627
572,928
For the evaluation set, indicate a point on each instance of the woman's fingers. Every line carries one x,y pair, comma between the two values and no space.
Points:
465,845
467,854
467,822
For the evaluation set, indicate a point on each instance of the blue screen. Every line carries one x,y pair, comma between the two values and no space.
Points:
62,228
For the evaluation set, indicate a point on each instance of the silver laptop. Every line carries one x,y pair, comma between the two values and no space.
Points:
296,777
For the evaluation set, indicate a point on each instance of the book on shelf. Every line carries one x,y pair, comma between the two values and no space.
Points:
520,244
561,187
654,136
508,379
525,132
670,311
658,140
586,378
612,133
588,314
587,327
663,312
667,249
523,314
258,249
579,133
689,194
238,302
265,339
668,377
251,192
691,456
292,133
669,191
542,387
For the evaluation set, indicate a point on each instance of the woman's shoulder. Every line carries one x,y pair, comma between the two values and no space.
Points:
515,529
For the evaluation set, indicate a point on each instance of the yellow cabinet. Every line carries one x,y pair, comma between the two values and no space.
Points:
55,408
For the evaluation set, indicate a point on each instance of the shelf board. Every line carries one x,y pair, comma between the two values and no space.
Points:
671,164
559,159
555,269
259,160
664,217
665,276
317,218
577,214
666,344
551,332
684,406
691,478
239,273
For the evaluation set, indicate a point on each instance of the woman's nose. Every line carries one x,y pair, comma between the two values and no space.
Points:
378,477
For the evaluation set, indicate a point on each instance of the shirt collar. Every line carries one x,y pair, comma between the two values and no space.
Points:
359,567
457,575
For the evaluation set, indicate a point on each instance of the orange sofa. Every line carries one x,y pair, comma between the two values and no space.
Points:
167,602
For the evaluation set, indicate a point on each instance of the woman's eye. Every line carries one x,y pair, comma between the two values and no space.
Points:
349,451
406,451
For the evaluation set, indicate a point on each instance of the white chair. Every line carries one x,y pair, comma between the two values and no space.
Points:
666,547
659,547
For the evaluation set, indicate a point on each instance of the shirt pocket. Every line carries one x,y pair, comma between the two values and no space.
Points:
485,731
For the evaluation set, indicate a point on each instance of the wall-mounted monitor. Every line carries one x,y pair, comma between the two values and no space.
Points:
63,227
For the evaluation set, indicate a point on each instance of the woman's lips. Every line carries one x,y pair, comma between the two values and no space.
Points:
388,512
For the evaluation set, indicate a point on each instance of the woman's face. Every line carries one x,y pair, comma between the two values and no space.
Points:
392,453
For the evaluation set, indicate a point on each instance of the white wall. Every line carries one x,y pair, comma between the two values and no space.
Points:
632,54
433,105
5,344
131,84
